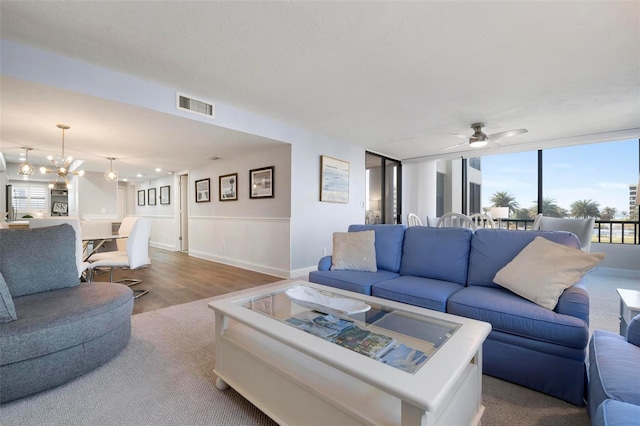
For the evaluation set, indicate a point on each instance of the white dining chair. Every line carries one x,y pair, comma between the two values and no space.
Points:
582,228
455,220
136,256
482,220
413,220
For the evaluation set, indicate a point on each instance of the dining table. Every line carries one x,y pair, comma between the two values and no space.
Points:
96,242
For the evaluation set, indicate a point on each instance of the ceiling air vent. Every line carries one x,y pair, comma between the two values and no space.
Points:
193,105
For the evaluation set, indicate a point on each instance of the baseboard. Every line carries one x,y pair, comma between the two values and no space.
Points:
302,273
241,264
163,246
617,272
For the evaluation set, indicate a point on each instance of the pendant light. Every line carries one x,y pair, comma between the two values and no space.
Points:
61,164
26,169
111,175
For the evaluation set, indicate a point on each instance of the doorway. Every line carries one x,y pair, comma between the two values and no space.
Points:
184,212
383,189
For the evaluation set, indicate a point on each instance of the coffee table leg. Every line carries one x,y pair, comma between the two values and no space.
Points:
221,384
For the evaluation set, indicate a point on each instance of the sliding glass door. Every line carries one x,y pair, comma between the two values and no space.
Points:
384,189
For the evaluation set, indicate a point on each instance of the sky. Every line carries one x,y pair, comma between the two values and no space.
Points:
600,172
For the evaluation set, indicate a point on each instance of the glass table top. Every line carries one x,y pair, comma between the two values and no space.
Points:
401,339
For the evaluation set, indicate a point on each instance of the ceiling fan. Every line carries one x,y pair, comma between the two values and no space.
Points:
480,139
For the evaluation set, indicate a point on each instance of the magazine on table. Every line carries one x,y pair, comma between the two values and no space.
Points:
321,325
405,358
364,342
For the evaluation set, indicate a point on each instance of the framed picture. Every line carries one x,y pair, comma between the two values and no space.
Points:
59,208
203,190
229,187
141,197
334,180
151,196
165,195
261,183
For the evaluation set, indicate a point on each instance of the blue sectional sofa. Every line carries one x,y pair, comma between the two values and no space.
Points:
452,270
614,376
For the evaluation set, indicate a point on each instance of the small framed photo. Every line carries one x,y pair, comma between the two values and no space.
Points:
141,197
334,180
203,190
261,183
229,187
59,208
165,194
151,196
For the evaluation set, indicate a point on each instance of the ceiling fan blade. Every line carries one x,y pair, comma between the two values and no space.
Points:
455,146
458,135
507,134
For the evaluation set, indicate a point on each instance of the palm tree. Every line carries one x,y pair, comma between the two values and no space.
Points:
585,208
504,199
608,213
549,207
524,213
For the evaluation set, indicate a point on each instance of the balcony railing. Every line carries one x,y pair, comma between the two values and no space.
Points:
604,231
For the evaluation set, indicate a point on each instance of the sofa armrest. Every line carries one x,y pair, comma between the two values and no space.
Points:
324,264
574,302
633,331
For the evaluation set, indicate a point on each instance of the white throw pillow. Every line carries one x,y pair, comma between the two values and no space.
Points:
544,269
354,251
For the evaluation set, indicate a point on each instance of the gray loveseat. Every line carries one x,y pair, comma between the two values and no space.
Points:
53,328
452,270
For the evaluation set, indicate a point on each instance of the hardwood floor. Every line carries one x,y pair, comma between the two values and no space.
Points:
174,278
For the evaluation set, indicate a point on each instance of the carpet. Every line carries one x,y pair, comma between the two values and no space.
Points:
164,377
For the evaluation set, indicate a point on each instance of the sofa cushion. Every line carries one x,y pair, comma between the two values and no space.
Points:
438,253
509,313
544,269
52,254
616,413
613,369
7,308
424,292
357,281
55,320
354,251
492,249
633,331
388,244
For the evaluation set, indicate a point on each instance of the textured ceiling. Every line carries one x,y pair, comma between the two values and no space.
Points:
398,78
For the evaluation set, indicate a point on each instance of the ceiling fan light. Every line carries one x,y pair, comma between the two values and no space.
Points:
477,143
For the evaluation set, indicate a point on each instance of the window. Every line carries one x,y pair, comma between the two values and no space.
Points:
590,180
474,198
475,163
29,197
511,180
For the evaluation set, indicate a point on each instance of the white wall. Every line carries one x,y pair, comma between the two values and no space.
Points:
96,197
312,223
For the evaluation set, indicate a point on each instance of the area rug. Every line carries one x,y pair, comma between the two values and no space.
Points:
164,377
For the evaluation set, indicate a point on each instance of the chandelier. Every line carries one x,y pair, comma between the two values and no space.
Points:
26,169
111,175
61,165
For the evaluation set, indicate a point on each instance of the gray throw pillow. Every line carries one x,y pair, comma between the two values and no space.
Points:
7,309
354,251
40,259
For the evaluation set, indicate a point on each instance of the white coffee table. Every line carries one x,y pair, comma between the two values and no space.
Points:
297,378
629,307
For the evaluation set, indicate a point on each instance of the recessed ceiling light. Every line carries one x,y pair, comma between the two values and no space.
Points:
139,175
158,169
125,180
